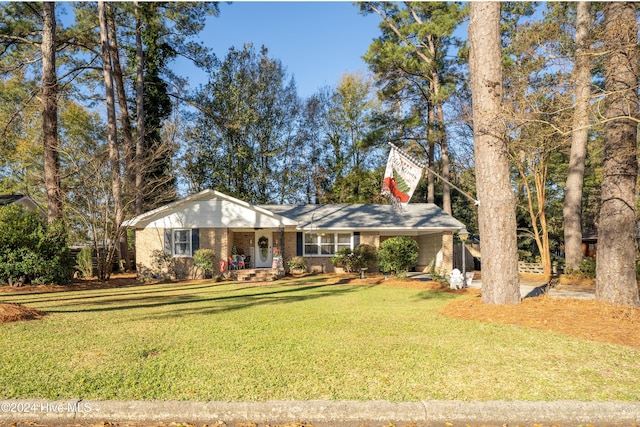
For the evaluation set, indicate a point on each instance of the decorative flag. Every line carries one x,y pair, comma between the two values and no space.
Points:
401,177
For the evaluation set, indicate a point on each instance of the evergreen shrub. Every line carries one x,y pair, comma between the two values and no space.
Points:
31,251
398,255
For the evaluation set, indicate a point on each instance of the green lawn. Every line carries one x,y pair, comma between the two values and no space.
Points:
221,341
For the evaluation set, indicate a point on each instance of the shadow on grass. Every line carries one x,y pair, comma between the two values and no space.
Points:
98,294
186,304
439,295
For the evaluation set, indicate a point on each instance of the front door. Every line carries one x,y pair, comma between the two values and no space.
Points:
264,249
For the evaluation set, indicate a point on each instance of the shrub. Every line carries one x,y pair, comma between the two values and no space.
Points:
163,265
31,251
84,261
363,256
205,259
588,268
398,255
344,258
367,255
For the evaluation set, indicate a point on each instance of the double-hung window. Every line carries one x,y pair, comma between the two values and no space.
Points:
182,243
326,243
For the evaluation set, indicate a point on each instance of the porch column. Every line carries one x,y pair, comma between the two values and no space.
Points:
447,253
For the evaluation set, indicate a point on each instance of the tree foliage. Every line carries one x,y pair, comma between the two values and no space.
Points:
243,134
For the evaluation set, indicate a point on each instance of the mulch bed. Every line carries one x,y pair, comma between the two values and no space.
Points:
17,312
588,319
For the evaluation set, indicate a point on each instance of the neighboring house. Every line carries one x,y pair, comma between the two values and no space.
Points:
589,243
213,220
20,199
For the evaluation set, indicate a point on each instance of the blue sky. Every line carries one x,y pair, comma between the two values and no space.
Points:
316,41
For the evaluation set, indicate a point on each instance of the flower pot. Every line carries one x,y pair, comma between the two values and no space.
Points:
298,271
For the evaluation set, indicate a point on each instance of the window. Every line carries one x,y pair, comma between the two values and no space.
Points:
326,243
182,243
344,240
311,244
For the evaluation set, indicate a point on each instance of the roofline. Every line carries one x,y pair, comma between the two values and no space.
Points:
26,198
379,228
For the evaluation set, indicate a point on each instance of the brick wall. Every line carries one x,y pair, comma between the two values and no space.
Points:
148,240
151,240
430,252
221,240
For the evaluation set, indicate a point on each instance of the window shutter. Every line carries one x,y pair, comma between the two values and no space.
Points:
356,239
167,242
195,240
299,244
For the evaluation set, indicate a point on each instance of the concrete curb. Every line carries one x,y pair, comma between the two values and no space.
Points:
321,413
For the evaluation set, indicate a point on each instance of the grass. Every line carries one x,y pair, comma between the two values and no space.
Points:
302,340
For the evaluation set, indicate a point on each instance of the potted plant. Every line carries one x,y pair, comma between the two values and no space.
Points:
297,265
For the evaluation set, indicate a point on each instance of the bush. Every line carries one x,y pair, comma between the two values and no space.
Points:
297,263
205,259
398,255
588,268
84,262
30,251
161,261
363,256
344,258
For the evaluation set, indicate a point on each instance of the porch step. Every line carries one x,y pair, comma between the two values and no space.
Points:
255,275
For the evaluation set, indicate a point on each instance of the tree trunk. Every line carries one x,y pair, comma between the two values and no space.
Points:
114,155
615,259
431,155
139,160
50,114
447,238
125,124
572,210
496,214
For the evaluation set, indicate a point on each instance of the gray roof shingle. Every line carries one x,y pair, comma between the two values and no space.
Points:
7,199
369,216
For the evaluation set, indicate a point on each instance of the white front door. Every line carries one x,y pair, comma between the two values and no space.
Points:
264,249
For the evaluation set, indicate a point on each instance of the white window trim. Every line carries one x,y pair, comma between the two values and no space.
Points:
318,243
189,252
